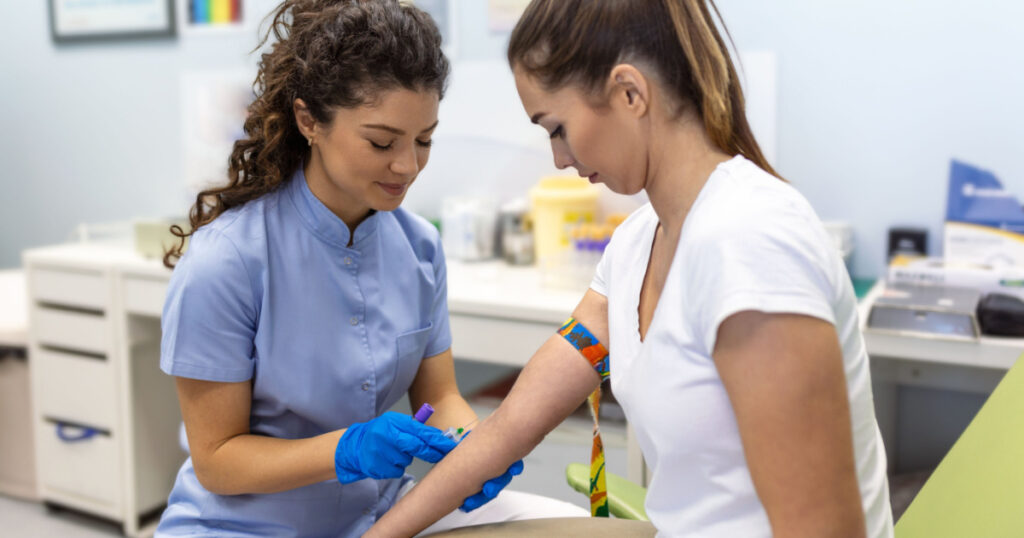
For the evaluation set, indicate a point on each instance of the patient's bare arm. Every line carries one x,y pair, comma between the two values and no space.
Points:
554,383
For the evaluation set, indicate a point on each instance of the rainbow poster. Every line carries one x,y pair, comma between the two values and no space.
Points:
214,12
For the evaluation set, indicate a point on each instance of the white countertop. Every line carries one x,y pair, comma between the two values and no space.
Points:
100,255
496,289
489,288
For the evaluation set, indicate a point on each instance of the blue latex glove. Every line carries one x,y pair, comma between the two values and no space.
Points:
491,488
385,446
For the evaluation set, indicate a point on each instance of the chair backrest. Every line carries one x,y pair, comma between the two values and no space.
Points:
978,488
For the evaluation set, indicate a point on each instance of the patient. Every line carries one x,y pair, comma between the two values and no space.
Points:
731,322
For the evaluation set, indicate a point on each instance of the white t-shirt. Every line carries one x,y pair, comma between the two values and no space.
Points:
750,242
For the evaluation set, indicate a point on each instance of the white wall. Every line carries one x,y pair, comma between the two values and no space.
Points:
90,132
874,99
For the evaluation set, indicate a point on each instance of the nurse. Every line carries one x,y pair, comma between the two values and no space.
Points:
729,315
308,302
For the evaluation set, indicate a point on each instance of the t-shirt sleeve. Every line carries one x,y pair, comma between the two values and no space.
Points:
772,267
440,334
602,276
210,314
600,281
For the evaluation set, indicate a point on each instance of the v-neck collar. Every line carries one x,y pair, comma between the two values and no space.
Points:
650,232
321,220
648,248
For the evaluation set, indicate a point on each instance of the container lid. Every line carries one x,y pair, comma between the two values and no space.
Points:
563,188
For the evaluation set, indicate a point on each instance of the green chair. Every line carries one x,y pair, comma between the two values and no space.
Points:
625,499
978,488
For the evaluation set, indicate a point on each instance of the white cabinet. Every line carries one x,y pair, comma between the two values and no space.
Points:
78,467
105,418
75,388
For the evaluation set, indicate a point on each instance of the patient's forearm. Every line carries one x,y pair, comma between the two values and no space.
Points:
552,386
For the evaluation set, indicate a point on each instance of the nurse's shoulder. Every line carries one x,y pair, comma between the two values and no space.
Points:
225,256
246,224
239,232
418,232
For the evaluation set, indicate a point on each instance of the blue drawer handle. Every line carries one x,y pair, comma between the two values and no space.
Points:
86,433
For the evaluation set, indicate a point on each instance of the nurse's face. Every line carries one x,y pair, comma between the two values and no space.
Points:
593,138
369,155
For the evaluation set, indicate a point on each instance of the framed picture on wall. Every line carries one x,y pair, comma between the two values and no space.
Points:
88,20
214,17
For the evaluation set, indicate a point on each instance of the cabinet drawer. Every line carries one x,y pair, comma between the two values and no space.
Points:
70,288
144,295
76,388
80,331
84,469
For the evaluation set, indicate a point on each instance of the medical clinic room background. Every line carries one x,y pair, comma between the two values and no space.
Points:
867,108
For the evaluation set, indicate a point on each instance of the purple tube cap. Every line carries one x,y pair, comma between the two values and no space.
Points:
424,413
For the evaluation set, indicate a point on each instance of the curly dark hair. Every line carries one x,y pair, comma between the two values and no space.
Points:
331,54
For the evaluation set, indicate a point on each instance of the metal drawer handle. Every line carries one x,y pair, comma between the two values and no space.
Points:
85,433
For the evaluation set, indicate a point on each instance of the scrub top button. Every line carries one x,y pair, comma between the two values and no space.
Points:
348,260
366,385
354,320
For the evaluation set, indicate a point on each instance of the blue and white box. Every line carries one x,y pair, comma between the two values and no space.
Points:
984,222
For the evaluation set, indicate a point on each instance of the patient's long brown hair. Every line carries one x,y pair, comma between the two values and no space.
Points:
564,42
329,53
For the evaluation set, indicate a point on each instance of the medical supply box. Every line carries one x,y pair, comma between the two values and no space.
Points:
942,272
984,222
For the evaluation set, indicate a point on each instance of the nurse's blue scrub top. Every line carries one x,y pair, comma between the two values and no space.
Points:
329,335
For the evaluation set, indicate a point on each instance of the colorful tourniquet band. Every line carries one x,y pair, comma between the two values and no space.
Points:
596,354
587,344
598,486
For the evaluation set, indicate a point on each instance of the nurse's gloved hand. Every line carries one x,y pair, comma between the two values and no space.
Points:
385,446
491,488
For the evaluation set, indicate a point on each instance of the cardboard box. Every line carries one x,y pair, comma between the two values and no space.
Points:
984,222
942,272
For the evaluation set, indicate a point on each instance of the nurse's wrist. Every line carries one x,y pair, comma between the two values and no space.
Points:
346,470
454,412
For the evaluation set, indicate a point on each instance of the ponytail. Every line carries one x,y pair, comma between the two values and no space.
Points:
580,41
722,104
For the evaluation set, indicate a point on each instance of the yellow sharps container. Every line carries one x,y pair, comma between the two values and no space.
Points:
556,204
